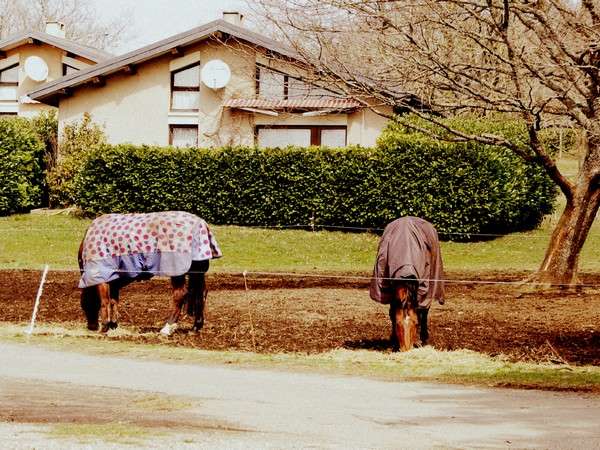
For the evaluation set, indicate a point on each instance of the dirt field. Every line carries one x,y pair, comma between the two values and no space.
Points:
316,315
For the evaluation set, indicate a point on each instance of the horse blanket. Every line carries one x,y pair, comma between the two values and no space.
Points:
144,245
409,248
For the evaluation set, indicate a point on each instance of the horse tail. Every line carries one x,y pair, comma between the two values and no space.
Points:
80,257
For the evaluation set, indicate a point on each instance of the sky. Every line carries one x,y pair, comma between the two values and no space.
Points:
152,20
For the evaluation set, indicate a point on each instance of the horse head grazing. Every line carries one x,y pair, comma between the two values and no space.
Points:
403,313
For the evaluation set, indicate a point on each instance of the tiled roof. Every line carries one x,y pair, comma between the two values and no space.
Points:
317,103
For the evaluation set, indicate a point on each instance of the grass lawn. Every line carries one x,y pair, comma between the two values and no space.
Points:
32,240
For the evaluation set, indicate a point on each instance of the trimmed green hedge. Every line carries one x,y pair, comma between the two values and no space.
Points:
21,161
464,188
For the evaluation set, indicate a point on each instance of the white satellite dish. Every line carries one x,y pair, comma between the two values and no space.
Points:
36,68
215,74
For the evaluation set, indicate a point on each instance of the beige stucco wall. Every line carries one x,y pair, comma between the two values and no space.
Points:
131,108
365,126
53,58
136,108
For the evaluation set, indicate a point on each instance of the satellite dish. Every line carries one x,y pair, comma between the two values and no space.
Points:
36,68
215,74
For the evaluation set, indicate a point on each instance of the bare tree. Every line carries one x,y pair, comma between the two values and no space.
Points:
536,60
79,16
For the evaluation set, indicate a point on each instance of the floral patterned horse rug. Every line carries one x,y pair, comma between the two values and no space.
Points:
121,248
143,245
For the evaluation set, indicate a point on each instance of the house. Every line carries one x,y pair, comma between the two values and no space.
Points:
29,60
214,85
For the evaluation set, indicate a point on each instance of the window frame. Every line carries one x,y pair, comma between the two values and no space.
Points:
184,89
14,84
286,80
66,66
315,131
175,125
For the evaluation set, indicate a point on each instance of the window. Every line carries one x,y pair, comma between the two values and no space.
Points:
183,135
272,85
9,82
185,88
299,89
278,137
300,135
333,137
68,70
275,85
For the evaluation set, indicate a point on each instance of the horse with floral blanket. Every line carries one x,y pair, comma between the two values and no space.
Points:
121,248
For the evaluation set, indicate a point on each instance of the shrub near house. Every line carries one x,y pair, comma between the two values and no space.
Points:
21,161
461,188
77,140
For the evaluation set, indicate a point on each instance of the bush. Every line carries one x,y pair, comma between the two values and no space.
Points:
21,153
479,187
77,140
464,188
45,125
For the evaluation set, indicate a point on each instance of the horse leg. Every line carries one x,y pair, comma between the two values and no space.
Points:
394,335
114,305
90,304
197,297
179,295
104,294
423,327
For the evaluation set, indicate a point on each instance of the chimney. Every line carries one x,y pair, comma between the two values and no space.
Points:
233,17
55,28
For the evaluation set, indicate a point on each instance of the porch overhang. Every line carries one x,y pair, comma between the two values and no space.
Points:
308,107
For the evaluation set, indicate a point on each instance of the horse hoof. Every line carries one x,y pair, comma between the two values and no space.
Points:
93,327
168,329
113,325
104,328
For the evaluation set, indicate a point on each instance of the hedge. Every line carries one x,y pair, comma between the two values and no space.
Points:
464,188
21,165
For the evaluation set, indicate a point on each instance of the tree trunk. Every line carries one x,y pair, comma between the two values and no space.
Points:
562,256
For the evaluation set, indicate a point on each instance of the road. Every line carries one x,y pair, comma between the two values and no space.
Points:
229,407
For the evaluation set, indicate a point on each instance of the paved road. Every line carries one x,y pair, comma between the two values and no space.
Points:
241,408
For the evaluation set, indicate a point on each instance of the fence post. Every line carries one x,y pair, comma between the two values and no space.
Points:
37,300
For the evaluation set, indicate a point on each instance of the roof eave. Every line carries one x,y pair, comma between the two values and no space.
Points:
118,63
32,37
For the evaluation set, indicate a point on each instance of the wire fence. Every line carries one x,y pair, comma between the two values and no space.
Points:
306,227
317,227
247,274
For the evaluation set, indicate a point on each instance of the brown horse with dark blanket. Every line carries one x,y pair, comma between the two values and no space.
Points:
408,275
